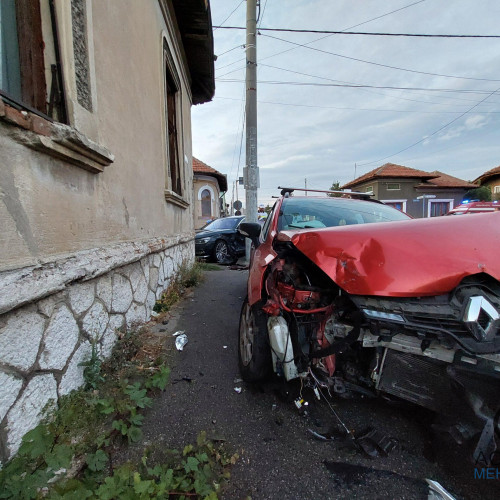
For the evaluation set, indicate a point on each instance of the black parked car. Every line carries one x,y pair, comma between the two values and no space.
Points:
219,240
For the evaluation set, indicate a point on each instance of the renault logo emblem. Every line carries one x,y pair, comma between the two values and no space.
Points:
481,317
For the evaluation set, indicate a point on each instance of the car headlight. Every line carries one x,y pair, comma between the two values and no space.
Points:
203,240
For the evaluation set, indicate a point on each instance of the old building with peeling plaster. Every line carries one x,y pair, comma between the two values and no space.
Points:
96,189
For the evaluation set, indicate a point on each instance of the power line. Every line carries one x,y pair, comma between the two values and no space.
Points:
332,80
365,33
261,17
242,111
383,15
361,86
380,64
326,36
433,133
220,25
230,50
381,110
401,98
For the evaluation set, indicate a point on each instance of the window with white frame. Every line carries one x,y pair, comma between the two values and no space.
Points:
206,203
206,197
496,189
393,186
437,208
398,204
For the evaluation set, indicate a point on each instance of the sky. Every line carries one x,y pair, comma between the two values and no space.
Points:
430,103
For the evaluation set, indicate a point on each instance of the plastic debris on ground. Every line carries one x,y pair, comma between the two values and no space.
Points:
326,436
154,314
183,379
375,443
180,332
437,492
372,443
181,341
238,390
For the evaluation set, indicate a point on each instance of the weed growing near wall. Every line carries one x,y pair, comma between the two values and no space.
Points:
74,453
186,277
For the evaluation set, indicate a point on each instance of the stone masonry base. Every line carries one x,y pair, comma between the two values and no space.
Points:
43,343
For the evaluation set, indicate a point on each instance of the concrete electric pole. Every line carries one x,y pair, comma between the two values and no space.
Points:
251,171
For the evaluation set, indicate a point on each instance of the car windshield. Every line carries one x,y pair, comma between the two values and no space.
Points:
303,213
224,223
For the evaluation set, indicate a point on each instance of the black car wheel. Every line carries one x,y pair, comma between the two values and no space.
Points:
222,254
254,352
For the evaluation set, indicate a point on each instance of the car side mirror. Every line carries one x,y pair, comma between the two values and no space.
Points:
250,230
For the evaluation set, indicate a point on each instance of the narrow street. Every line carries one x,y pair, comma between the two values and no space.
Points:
279,457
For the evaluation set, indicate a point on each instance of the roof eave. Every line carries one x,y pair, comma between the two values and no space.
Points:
195,25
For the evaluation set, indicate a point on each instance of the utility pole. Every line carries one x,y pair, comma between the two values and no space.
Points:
251,171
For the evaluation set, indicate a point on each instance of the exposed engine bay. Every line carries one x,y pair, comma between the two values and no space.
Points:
439,352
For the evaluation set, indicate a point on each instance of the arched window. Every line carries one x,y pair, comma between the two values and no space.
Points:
206,203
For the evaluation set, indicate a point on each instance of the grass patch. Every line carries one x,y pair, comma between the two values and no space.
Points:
74,453
186,277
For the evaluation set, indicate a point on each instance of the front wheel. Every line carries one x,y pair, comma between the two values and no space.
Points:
254,352
222,253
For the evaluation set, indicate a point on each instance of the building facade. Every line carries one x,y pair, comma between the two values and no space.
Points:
491,179
210,187
415,192
96,180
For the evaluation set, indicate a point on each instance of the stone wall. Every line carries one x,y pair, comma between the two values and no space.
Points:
44,342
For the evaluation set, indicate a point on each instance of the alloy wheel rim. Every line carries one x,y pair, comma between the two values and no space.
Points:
221,251
246,335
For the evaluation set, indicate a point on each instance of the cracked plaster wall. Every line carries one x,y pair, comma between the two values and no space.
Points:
43,343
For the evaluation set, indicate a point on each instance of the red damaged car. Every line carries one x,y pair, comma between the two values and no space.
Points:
352,295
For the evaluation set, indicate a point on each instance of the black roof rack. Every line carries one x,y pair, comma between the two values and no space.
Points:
287,191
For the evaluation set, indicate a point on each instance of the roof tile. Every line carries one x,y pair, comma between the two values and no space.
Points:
202,168
443,180
490,173
390,170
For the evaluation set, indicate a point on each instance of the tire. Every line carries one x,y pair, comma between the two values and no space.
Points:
254,351
222,254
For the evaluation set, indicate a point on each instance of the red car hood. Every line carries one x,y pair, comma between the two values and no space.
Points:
405,258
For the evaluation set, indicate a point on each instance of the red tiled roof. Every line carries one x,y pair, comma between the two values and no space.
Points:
446,181
202,168
390,170
490,173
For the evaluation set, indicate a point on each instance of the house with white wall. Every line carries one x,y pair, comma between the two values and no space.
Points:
210,187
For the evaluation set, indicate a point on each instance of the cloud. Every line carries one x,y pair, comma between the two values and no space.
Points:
329,133
475,122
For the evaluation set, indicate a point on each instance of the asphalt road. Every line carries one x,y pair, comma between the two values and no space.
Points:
279,457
